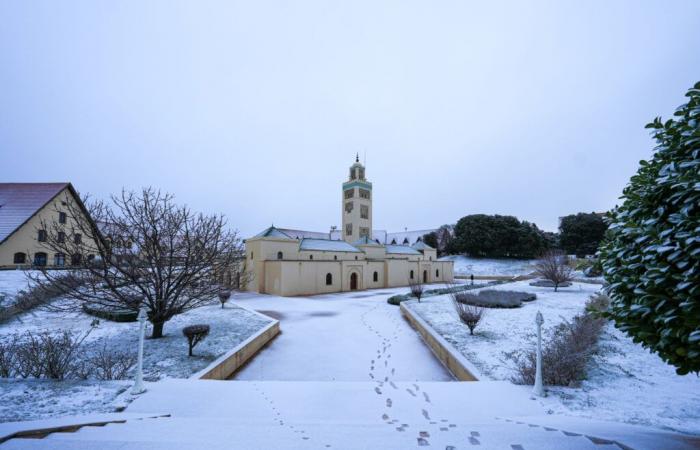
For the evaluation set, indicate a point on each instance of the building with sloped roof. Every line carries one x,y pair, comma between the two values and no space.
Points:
289,262
25,211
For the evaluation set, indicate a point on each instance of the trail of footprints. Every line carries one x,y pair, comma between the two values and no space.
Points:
280,420
379,371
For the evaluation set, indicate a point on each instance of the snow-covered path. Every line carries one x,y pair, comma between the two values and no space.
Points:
353,336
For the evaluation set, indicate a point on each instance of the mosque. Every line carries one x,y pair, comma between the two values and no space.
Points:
288,262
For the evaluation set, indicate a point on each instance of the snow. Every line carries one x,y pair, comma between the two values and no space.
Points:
38,399
11,282
625,382
327,245
401,250
350,336
465,265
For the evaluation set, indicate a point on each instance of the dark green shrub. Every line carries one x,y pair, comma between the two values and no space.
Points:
113,315
490,298
651,257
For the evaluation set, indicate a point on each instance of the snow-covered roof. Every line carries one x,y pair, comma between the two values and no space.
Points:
364,240
420,245
301,234
20,201
406,237
401,250
272,232
327,245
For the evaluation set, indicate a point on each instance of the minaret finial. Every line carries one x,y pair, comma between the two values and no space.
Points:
357,157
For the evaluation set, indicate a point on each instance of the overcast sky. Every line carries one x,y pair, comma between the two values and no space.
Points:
256,109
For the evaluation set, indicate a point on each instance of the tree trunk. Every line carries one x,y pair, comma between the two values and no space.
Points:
157,330
556,285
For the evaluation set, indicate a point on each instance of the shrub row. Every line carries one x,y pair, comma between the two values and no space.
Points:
59,356
490,298
397,299
113,315
568,349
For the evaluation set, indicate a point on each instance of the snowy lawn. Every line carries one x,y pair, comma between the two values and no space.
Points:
465,265
625,382
38,399
11,282
163,358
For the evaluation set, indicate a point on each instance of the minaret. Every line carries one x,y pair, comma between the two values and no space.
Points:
357,204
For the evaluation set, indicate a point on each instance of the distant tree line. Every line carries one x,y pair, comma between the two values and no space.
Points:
496,236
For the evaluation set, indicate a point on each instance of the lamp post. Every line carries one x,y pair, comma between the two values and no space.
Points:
139,388
538,390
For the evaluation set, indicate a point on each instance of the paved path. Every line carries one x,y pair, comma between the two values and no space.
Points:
257,415
354,336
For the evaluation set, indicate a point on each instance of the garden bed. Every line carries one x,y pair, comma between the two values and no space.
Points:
624,381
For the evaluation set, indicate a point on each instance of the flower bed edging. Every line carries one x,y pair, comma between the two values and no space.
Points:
455,362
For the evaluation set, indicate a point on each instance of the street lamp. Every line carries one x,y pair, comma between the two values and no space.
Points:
139,388
538,390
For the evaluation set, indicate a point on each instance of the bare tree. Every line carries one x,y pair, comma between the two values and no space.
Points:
143,249
416,289
469,314
554,266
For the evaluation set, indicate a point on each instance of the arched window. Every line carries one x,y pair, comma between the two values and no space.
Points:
393,242
20,258
375,277
411,274
40,259
329,279
405,240
311,256
355,257
437,272
279,255
335,256
431,258
251,255
59,259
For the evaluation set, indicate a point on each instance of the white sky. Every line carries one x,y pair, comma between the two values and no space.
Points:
256,109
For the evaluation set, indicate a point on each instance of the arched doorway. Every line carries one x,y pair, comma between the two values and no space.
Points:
425,276
353,281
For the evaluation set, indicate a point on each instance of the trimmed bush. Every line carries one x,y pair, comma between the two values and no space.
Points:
547,283
195,334
397,299
224,295
113,315
490,298
651,257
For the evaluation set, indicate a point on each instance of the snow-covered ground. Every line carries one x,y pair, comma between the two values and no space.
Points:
349,336
465,265
625,382
37,399
163,358
11,282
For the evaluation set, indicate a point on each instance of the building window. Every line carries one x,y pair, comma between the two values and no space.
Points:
335,257
362,173
405,241
311,256
437,272
78,239
355,257
375,277
59,259
40,259
41,236
364,212
393,242
348,229
20,258
364,193
251,255
76,259
61,237
350,193
348,207
279,255
62,217
329,279
364,232
411,274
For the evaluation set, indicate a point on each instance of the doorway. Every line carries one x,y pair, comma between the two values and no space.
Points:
353,281
425,276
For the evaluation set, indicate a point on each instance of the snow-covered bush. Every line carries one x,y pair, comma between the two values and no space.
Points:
651,257
554,266
224,295
417,289
491,298
195,334
547,283
469,314
110,364
44,354
566,351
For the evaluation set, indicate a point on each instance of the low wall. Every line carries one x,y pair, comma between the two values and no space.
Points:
450,357
227,364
